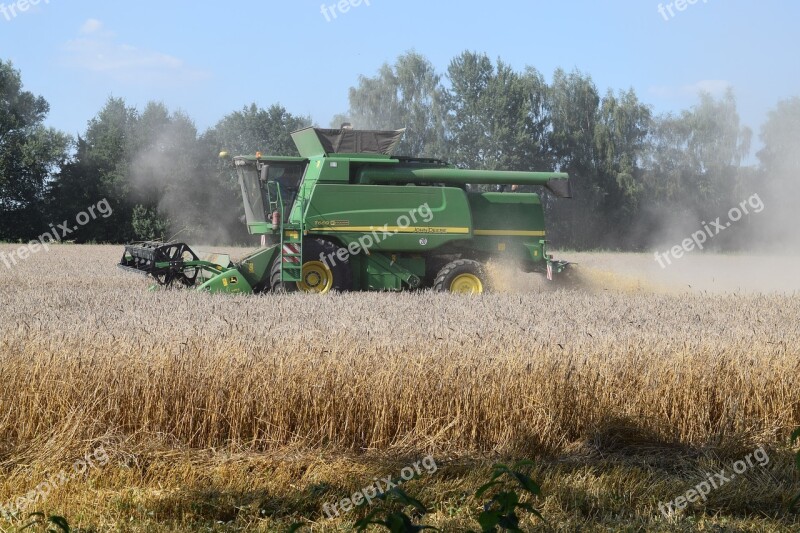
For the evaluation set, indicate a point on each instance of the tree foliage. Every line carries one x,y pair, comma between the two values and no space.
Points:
779,177
406,95
29,153
634,175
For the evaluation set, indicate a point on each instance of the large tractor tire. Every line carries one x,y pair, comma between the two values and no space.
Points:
433,266
318,276
463,276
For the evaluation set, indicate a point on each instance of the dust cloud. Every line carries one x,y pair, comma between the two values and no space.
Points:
170,172
640,273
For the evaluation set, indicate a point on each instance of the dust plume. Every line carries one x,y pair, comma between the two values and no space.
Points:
733,228
179,178
699,273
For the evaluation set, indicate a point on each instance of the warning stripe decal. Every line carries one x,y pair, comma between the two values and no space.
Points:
291,249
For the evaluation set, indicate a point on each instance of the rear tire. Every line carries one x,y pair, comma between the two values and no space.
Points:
463,276
322,270
434,265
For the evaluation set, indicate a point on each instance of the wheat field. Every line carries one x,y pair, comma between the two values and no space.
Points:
234,413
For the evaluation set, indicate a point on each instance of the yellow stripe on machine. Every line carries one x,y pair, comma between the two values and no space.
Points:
393,229
509,233
429,229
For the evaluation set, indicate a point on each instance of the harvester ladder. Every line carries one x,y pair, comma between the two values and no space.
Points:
291,247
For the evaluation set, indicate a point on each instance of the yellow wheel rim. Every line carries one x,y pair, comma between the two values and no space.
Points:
466,284
317,278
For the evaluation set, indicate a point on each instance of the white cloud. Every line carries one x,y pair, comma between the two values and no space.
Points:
98,50
91,26
713,87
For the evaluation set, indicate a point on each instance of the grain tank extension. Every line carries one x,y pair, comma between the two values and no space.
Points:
348,215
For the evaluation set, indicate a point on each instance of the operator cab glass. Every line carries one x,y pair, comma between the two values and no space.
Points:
249,181
258,205
288,176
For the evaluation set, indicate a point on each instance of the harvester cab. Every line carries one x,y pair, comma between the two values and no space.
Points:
346,214
268,187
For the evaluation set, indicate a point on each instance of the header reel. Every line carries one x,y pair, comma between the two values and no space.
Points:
167,263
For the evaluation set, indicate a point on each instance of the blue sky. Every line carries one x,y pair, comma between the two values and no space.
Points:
211,58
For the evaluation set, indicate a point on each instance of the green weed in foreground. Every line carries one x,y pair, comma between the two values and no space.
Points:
511,489
502,511
40,522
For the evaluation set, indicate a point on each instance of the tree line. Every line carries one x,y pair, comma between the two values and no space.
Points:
638,178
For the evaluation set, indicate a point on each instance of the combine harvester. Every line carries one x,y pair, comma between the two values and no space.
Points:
347,215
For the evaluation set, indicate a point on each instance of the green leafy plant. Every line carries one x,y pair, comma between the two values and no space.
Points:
43,523
501,513
394,520
795,438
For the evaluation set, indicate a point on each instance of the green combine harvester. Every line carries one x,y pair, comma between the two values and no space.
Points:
348,215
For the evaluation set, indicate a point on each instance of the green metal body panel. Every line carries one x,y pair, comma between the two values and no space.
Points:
389,218
507,213
510,225
387,272
255,268
247,276
308,143
231,281
391,273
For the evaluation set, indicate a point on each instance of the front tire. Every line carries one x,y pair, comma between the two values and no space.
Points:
322,270
463,276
